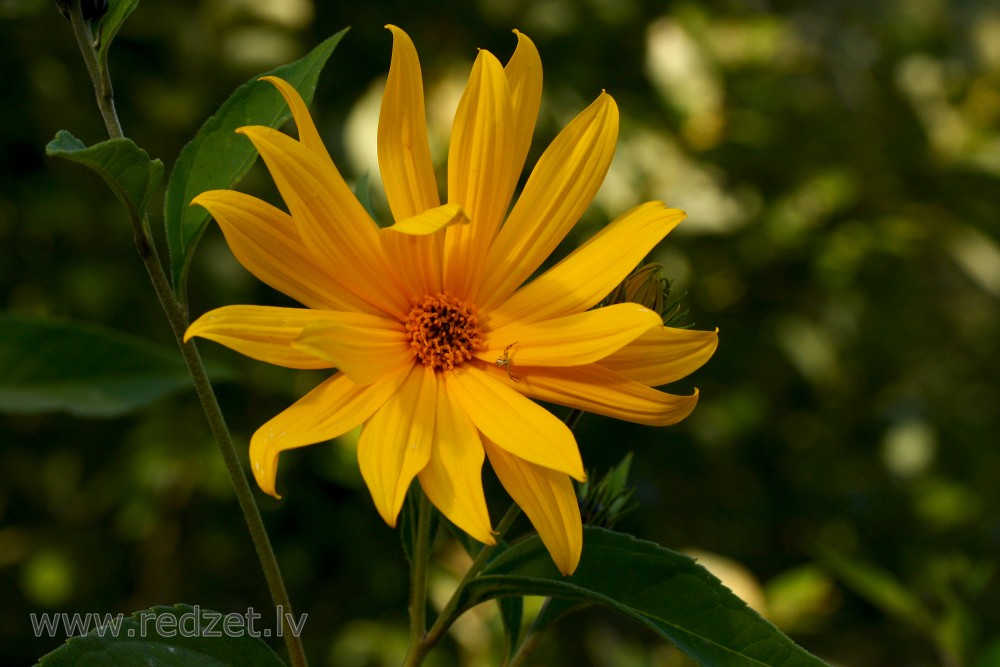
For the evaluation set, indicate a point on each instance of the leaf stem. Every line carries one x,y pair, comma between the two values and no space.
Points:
177,317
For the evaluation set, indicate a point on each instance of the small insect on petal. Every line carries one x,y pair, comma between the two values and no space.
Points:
505,361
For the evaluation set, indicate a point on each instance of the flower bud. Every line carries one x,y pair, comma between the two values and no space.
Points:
645,286
603,503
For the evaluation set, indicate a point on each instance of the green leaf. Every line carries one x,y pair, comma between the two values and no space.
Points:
217,158
111,23
661,589
125,167
178,636
87,370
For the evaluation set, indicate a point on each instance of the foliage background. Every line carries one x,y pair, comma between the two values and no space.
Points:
839,163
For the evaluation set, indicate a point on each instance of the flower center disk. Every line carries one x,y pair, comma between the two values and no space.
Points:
443,331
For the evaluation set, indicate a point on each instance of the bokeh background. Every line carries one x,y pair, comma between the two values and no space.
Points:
839,162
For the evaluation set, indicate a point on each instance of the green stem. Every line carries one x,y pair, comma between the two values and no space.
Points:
418,573
177,317
417,653
99,74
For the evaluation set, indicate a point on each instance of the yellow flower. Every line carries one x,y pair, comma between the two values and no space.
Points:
438,345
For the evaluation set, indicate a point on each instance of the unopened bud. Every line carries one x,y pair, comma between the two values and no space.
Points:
645,286
603,503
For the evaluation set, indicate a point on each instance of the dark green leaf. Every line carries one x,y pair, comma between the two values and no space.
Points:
87,370
178,636
661,589
125,167
217,158
118,11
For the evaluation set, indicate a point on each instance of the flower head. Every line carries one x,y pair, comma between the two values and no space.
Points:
439,346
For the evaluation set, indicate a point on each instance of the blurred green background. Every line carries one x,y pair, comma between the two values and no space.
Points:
839,162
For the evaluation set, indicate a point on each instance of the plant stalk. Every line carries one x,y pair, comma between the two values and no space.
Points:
177,318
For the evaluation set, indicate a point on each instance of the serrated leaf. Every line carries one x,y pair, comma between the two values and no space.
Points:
217,158
91,371
665,591
111,23
125,167
177,636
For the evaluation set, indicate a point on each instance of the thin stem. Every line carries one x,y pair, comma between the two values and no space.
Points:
531,639
418,572
99,74
177,317
448,615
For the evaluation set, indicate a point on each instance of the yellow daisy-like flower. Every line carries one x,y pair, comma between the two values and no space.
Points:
438,345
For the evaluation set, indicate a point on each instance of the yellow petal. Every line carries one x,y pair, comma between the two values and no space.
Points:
333,408
524,74
513,422
265,241
429,221
365,347
404,155
548,498
663,355
591,271
560,189
264,333
479,162
453,478
308,134
331,221
573,340
603,392
395,443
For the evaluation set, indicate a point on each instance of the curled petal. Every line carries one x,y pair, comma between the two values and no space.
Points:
430,221
396,442
590,272
663,355
453,479
514,423
573,340
365,347
596,389
548,498
559,190
404,155
333,408
264,333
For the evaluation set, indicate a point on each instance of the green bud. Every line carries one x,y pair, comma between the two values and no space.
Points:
605,502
